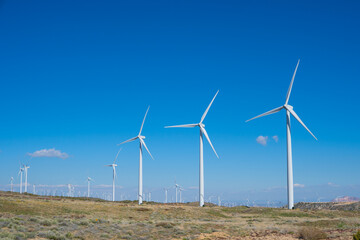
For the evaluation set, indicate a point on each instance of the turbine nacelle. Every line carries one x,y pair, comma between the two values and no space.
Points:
288,107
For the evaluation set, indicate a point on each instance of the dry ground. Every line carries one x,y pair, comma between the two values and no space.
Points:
37,217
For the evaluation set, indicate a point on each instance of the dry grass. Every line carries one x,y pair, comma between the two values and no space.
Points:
311,233
36,217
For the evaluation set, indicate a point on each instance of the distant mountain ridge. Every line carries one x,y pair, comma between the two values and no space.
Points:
346,199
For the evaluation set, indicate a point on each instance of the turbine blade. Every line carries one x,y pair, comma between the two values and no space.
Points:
206,111
275,110
117,155
130,140
291,83
299,120
108,165
143,143
207,137
183,126
143,120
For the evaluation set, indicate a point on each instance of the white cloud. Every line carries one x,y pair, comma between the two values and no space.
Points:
276,138
299,185
332,184
52,152
262,140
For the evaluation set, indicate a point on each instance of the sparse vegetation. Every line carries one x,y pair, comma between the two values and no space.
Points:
37,217
356,236
311,233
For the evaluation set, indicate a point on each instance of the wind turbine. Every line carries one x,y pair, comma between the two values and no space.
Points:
71,192
26,167
20,173
180,189
176,191
89,180
202,132
142,143
166,194
114,165
11,184
289,110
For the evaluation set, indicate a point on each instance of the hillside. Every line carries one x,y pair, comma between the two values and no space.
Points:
38,217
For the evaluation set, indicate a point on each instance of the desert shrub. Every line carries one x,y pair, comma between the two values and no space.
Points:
45,223
164,225
142,209
33,219
311,233
69,235
356,236
51,235
83,223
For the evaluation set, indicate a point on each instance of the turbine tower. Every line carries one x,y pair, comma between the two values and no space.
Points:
289,110
180,189
166,195
26,167
176,191
89,180
21,174
142,143
11,184
114,165
202,133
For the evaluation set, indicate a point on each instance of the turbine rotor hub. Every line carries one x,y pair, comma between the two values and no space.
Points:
288,106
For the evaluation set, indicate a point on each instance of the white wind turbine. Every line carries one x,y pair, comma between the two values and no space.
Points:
26,167
289,110
142,143
202,132
166,194
70,190
176,191
114,165
21,174
89,179
180,190
11,184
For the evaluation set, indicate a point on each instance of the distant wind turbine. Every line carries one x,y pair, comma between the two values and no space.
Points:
21,174
142,143
11,184
88,181
166,194
289,110
180,190
26,167
202,132
176,191
114,165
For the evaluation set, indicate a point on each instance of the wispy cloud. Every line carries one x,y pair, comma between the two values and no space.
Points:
276,138
262,140
52,152
299,185
332,184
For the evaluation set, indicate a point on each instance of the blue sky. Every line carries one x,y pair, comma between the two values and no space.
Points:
78,77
